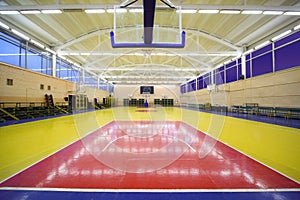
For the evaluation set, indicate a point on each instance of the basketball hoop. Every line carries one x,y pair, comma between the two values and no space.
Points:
149,35
212,88
147,53
146,94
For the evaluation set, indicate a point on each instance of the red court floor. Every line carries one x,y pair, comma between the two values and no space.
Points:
149,155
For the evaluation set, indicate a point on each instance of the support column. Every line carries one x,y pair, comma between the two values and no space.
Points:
243,65
53,65
82,77
98,83
212,78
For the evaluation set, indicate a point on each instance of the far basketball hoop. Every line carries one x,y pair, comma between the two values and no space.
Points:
146,94
212,88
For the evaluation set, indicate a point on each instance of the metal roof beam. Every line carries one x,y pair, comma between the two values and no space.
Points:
174,53
174,69
188,30
143,77
79,7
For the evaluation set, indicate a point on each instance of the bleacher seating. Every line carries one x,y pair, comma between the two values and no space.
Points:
17,110
10,111
249,109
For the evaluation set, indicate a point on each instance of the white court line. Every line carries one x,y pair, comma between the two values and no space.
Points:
228,145
143,190
275,170
150,190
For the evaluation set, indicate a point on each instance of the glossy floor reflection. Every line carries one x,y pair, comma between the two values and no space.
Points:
81,165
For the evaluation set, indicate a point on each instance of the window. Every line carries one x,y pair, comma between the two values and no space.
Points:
10,82
10,50
49,87
42,86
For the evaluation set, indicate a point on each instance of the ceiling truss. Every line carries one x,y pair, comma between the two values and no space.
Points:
182,64
81,7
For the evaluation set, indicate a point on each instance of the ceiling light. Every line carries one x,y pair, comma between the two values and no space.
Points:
92,11
186,11
30,12
51,11
262,44
51,51
85,54
9,12
119,10
297,27
247,52
272,12
138,54
227,62
168,3
136,10
208,11
281,35
252,12
20,34
62,57
70,61
110,10
77,65
292,13
37,44
219,65
230,12
4,26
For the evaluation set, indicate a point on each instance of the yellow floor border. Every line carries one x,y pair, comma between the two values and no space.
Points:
22,145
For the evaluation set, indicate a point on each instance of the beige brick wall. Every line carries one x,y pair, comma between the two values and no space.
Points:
280,89
26,86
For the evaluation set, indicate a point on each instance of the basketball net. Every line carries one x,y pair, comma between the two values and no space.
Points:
146,94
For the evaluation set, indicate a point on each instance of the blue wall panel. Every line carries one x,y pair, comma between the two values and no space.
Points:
219,78
230,64
248,69
239,71
182,89
248,56
287,39
206,80
231,74
287,56
262,50
262,65
199,83
193,85
258,62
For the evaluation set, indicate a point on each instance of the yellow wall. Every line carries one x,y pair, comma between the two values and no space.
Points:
26,86
279,89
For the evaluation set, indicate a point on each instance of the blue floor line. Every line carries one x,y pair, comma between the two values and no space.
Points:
74,195
13,122
293,123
